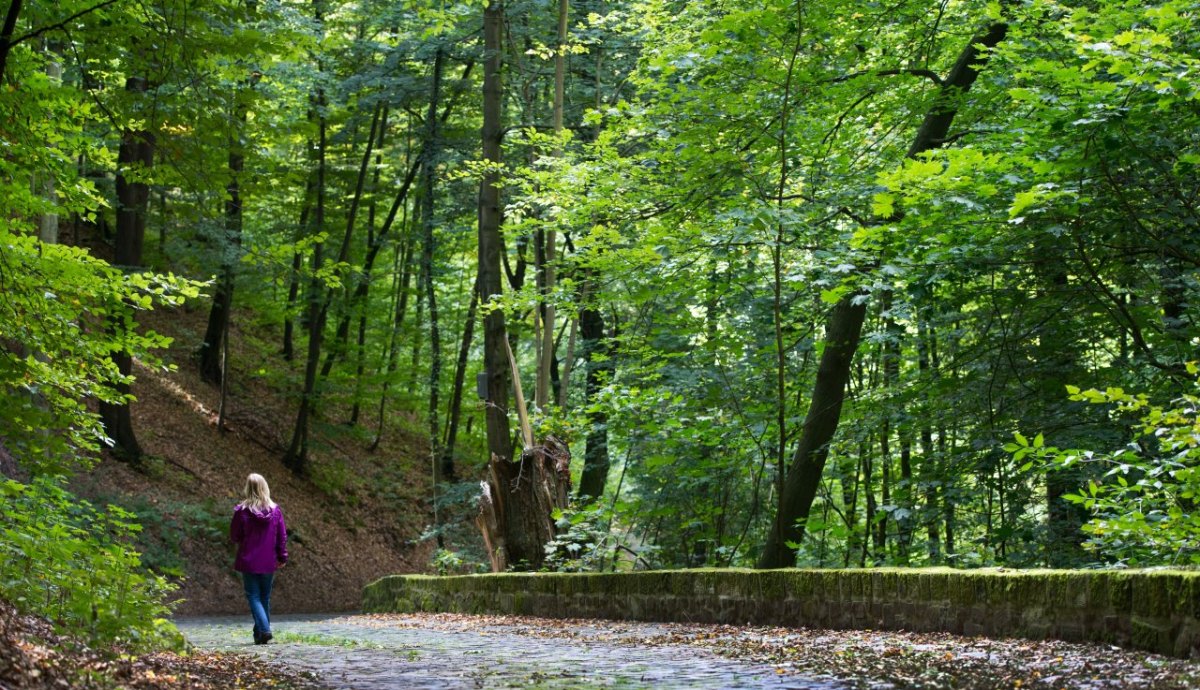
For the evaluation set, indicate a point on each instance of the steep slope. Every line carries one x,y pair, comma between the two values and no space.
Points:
353,519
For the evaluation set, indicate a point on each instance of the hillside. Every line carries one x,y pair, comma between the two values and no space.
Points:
354,519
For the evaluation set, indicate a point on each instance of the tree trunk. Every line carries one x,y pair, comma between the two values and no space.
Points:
428,166
547,360
6,34
460,373
48,222
137,150
211,351
522,493
296,457
289,321
844,327
362,297
404,258
343,330
374,247
600,367
494,519
930,476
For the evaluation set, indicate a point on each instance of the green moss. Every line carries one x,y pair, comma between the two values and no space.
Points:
1036,603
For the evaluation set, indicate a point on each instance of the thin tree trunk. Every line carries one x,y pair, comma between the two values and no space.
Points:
547,359
428,249
904,495
844,328
212,352
564,386
296,457
373,248
404,257
929,471
6,34
362,296
289,321
48,222
460,373
343,330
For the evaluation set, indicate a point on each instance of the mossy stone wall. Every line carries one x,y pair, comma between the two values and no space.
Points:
1158,611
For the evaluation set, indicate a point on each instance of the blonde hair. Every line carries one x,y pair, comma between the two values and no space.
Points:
257,494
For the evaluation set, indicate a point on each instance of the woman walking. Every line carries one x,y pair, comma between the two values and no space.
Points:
261,537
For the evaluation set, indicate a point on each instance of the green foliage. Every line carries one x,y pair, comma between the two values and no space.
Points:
57,300
451,562
65,559
1143,505
587,541
164,525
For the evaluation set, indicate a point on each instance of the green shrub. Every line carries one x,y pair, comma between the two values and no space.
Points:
1145,504
62,558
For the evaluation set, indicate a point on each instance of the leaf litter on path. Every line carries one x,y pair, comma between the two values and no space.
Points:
866,658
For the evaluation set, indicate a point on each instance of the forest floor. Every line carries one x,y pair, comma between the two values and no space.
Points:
356,517
450,651
34,657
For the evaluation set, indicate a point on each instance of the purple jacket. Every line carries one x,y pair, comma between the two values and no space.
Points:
261,540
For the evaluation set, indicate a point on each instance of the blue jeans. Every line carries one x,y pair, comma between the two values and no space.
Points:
258,594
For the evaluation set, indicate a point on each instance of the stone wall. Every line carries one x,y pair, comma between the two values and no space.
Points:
1157,611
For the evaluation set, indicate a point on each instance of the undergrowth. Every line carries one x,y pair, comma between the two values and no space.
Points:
76,564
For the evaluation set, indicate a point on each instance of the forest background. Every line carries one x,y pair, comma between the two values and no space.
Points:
737,283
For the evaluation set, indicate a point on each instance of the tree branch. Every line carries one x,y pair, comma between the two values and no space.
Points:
51,27
928,74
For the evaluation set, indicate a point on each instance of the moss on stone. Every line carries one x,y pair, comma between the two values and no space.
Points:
1156,610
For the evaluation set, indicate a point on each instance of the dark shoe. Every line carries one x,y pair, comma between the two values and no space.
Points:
265,638
257,638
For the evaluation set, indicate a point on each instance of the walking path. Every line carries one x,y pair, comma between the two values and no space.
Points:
451,651
366,653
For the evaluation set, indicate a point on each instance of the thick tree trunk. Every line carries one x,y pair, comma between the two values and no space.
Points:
522,493
844,327
494,518
137,150
841,341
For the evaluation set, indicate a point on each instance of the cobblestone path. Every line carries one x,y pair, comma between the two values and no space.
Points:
357,652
